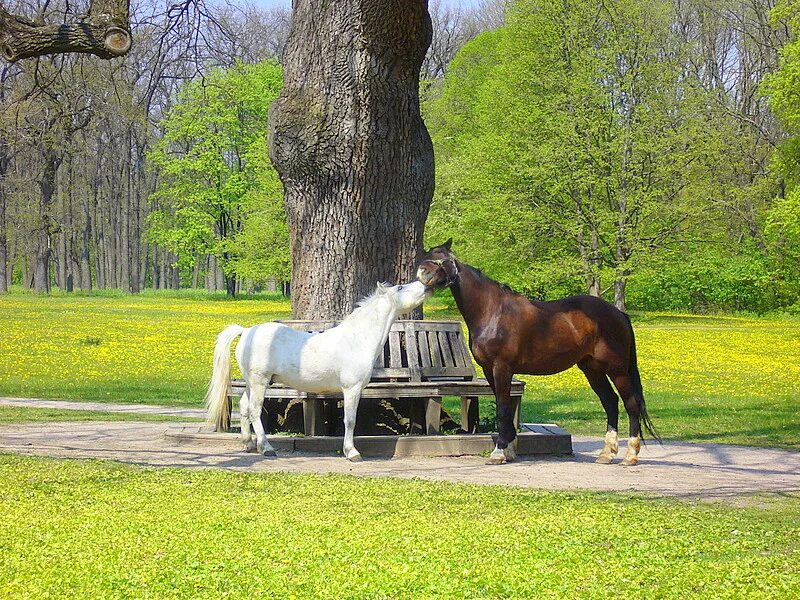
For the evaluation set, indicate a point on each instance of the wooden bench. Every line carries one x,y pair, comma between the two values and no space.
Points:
422,360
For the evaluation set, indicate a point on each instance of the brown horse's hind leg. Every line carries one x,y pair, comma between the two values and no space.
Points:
625,387
602,387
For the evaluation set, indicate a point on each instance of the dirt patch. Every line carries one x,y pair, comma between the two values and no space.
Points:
676,469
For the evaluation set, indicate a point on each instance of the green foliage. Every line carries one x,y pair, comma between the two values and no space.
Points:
783,89
578,146
569,139
709,281
218,192
100,530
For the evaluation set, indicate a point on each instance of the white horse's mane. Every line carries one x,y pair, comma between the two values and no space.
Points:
381,290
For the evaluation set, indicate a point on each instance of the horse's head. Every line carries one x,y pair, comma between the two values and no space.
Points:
405,297
437,267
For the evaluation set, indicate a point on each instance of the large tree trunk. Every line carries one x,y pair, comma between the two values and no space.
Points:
348,142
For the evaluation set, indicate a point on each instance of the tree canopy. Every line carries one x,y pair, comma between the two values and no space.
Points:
580,145
218,194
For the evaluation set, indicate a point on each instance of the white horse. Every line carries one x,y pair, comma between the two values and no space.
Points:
338,359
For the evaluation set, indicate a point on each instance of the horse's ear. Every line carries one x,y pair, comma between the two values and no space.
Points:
382,287
447,244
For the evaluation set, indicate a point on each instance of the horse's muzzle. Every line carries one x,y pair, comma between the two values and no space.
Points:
424,276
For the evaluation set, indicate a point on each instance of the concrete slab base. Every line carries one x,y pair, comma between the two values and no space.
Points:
535,438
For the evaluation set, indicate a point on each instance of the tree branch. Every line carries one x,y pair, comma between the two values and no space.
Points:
104,32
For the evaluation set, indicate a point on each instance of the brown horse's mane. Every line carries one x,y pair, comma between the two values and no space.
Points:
503,286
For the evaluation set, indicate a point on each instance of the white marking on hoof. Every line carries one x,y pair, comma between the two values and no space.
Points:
355,456
250,446
632,454
511,453
610,449
265,449
497,457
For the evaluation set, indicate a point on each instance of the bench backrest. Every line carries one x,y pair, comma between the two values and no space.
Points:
415,351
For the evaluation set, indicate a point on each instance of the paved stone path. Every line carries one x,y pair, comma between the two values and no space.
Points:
147,409
678,469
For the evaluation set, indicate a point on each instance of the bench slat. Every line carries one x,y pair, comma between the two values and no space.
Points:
449,372
433,344
395,355
458,358
447,354
412,353
436,325
466,357
424,349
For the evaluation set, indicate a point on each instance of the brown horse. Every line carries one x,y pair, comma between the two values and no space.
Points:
510,334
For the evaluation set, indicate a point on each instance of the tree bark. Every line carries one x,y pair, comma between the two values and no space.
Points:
104,32
619,290
350,147
41,263
4,263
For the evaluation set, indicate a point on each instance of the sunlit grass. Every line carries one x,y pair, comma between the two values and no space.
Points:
99,530
17,414
709,378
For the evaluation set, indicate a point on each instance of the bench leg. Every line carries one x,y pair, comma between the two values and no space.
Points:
313,417
417,415
469,414
230,412
433,415
517,411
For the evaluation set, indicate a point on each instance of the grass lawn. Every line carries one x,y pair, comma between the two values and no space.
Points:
101,530
724,379
18,414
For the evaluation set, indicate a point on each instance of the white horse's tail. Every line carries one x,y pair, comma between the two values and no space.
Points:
218,410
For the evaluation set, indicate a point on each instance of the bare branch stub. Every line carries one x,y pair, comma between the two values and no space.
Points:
104,32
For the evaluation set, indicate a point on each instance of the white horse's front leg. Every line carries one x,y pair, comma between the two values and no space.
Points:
244,419
257,391
351,399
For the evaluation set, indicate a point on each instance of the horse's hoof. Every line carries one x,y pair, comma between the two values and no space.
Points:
355,458
630,462
497,457
250,447
604,459
268,452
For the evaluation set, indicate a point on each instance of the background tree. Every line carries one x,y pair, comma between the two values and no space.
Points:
97,213
611,143
216,180
783,218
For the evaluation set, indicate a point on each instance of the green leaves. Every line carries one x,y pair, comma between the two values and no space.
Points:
576,142
218,192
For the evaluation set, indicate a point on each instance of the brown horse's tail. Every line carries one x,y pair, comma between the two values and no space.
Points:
638,392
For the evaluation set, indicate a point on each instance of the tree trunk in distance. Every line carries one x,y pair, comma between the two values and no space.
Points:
619,291
41,262
350,147
5,265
